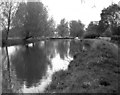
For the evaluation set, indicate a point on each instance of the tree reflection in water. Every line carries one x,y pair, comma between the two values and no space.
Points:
34,65
62,48
30,64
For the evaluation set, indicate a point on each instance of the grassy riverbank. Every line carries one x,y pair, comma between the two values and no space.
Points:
96,69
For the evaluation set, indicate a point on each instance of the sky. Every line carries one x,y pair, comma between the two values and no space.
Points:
84,10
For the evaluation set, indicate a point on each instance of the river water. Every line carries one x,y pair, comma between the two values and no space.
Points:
32,65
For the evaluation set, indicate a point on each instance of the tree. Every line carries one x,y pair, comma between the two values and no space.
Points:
18,28
36,19
32,19
92,27
110,20
92,30
50,28
76,28
63,29
7,13
20,15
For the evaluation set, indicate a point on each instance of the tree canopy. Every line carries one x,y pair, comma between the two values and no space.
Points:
76,28
92,30
110,20
33,20
62,28
30,19
109,25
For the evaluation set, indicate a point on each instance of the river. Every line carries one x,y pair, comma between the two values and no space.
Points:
32,65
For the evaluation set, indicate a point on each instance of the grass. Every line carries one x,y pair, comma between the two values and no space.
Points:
93,70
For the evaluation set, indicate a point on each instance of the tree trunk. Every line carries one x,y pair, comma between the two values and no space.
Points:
8,26
8,68
8,64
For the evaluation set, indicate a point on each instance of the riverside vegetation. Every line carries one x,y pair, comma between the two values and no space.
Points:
96,69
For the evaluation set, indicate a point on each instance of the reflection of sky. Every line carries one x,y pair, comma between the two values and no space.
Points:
13,50
40,51
57,64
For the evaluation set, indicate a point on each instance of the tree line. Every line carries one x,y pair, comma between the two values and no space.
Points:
31,20
108,26
25,19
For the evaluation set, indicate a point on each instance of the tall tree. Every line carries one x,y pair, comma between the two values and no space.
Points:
19,20
110,20
76,28
32,18
36,19
92,30
7,13
63,29
50,28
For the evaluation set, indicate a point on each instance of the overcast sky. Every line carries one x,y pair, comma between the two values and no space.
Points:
84,10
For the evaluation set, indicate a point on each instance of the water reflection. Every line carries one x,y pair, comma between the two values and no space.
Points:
62,48
35,64
30,64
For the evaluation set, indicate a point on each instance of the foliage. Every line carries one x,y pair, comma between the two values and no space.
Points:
7,13
110,20
30,20
92,27
92,30
18,21
50,28
94,70
32,17
63,29
36,19
76,28
20,15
